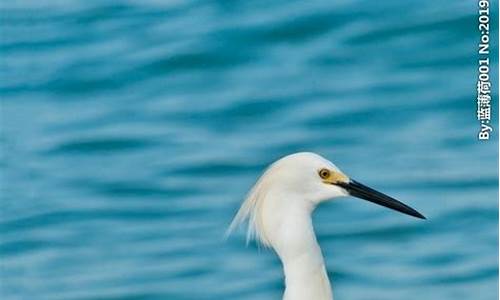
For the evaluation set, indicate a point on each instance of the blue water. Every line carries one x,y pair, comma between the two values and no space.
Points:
131,131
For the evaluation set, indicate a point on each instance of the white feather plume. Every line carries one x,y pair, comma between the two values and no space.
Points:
251,209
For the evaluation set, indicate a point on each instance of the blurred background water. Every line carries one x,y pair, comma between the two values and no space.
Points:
132,130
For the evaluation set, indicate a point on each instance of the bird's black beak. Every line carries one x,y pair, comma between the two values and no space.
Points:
359,190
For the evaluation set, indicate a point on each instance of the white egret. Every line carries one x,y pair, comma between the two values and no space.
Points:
278,209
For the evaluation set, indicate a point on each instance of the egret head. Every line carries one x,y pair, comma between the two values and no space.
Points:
302,180
306,176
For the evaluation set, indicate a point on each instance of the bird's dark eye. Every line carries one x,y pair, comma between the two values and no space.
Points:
324,173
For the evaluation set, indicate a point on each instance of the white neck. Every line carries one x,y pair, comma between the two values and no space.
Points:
295,243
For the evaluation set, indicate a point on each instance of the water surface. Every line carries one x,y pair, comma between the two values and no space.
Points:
132,130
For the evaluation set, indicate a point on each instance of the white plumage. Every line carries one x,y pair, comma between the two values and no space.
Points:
278,209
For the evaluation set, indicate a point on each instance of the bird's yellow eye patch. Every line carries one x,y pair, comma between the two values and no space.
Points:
332,177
